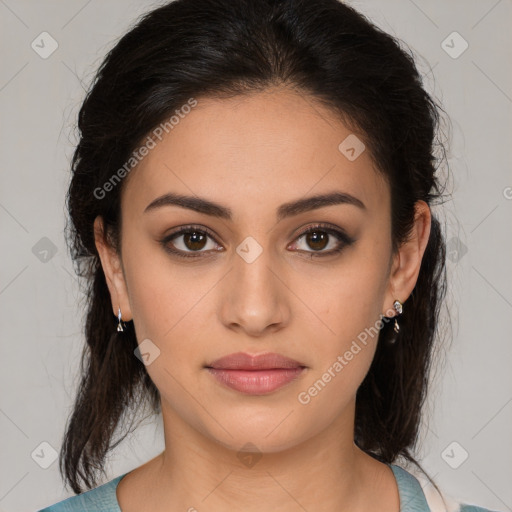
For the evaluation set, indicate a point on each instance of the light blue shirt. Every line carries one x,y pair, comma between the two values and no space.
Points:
104,499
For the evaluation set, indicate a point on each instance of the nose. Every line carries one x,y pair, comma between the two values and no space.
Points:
254,298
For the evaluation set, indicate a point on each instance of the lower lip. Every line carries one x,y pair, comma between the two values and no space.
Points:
256,382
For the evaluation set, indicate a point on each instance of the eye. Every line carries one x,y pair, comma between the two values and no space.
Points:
320,237
188,240
194,241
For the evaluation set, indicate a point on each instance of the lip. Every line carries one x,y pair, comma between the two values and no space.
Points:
255,374
245,361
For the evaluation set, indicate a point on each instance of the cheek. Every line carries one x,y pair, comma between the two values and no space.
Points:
343,333
341,356
345,303
172,305
157,289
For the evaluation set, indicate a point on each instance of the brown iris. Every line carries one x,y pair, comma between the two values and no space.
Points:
194,240
317,239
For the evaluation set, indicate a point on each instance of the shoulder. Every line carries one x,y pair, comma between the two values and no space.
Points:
417,494
474,508
99,499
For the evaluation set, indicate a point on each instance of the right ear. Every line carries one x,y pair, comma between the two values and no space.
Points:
111,263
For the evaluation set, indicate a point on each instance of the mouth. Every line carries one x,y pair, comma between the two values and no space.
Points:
255,375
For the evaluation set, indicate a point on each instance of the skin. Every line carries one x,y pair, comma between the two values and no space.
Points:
252,154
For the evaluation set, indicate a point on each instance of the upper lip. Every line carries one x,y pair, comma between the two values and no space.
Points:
244,361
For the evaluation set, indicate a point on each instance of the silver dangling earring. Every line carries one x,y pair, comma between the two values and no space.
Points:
119,325
398,308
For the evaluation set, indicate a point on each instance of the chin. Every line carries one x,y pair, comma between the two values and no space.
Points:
267,435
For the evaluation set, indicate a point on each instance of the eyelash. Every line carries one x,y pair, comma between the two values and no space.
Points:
345,240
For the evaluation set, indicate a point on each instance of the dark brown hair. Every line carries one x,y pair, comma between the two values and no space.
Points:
221,48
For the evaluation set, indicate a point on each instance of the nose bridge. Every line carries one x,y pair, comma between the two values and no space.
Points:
254,300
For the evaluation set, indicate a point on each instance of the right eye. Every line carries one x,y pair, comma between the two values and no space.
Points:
190,240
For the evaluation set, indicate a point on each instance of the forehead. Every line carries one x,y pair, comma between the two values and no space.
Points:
255,150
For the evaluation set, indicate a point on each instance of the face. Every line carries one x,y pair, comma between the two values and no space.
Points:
253,273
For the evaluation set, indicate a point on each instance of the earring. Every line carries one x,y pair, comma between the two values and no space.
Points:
119,325
398,308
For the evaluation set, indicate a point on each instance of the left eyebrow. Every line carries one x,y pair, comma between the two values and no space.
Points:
289,209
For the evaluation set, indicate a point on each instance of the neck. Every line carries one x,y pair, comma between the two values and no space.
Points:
195,472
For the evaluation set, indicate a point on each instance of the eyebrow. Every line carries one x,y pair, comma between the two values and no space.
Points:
290,209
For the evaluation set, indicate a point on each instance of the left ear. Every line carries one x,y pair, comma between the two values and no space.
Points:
407,262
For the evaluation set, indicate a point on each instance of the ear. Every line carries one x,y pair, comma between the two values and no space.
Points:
407,262
111,263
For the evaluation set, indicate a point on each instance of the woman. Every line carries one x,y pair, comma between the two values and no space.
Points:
251,204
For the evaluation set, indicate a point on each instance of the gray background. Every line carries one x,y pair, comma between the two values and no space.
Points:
40,312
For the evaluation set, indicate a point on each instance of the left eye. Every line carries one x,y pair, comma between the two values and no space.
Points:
320,240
